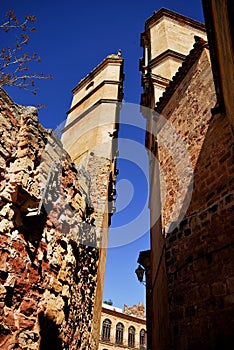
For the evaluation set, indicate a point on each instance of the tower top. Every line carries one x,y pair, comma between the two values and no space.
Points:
163,12
167,40
110,59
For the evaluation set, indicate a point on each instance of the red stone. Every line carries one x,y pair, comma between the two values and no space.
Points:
6,341
17,264
28,306
33,276
3,258
10,320
19,247
25,322
4,240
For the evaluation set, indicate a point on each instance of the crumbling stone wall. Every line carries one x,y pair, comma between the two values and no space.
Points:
48,259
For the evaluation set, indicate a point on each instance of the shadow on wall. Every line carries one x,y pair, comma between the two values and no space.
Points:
49,334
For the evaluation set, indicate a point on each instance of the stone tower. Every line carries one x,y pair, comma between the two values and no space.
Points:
167,39
90,137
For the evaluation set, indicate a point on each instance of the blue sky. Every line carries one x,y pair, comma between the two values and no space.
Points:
72,37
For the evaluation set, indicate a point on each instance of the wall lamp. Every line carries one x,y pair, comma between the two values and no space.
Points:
140,271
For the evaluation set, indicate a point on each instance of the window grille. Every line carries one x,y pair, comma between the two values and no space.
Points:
131,337
106,326
119,333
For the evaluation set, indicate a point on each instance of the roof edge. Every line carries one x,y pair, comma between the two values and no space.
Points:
126,316
89,77
173,15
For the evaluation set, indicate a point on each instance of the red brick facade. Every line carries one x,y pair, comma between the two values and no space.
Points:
199,250
190,274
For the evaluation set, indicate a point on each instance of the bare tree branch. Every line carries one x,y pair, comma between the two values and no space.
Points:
14,61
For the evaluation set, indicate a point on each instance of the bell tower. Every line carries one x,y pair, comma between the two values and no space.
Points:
166,41
90,137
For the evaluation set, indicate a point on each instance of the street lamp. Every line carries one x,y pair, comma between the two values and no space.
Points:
140,273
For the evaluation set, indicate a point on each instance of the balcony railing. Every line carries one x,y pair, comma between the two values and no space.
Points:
124,346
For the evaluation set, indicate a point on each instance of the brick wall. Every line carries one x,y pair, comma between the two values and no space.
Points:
48,277
181,140
199,250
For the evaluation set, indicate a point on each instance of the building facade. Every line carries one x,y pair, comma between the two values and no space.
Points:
189,269
122,330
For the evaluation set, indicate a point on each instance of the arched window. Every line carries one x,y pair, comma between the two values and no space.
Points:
106,326
131,337
142,339
119,333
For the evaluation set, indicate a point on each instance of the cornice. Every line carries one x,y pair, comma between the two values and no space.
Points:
163,12
198,47
164,55
90,109
124,316
160,80
86,97
114,59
